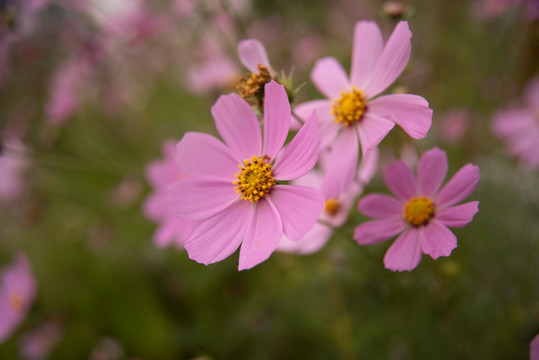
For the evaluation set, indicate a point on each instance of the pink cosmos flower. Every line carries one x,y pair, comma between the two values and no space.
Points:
17,292
352,115
335,211
534,348
421,212
519,127
160,174
236,189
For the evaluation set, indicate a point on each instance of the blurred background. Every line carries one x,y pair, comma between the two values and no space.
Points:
90,91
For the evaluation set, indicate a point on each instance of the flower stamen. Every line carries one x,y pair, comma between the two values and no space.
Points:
350,107
251,85
418,211
255,178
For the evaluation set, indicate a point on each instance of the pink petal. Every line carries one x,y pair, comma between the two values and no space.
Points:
173,230
380,206
392,60
341,164
154,207
405,253
457,216
311,179
459,187
276,118
329,77
199,199
376,231
368,44
372,130
299,208
410,112
400,180
431,171
262,236
322,108
437,240
301,154
327,127
311,243
368,167
252,53
218,237
238,125
200,154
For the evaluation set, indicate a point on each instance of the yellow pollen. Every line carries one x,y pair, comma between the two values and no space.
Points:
350,107
332,206
418,211
16,301
251,85
255,179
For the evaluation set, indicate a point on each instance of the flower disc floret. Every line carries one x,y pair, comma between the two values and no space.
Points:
418,211
16,301
255,179
332,206
350,107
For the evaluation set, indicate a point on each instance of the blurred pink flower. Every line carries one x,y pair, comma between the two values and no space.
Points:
183,8
534,348
215,70
421,212
38,343
13,165
352,109
492,9
489,9
335,211
307,49
160,174
66,89
17,292
454,125
248,207
123,19
519,127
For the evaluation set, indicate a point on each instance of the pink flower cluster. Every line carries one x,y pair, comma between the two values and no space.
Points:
254,191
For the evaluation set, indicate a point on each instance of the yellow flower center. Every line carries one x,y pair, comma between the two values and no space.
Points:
350,107
254,178
16,301
418,211
251,85
332,206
